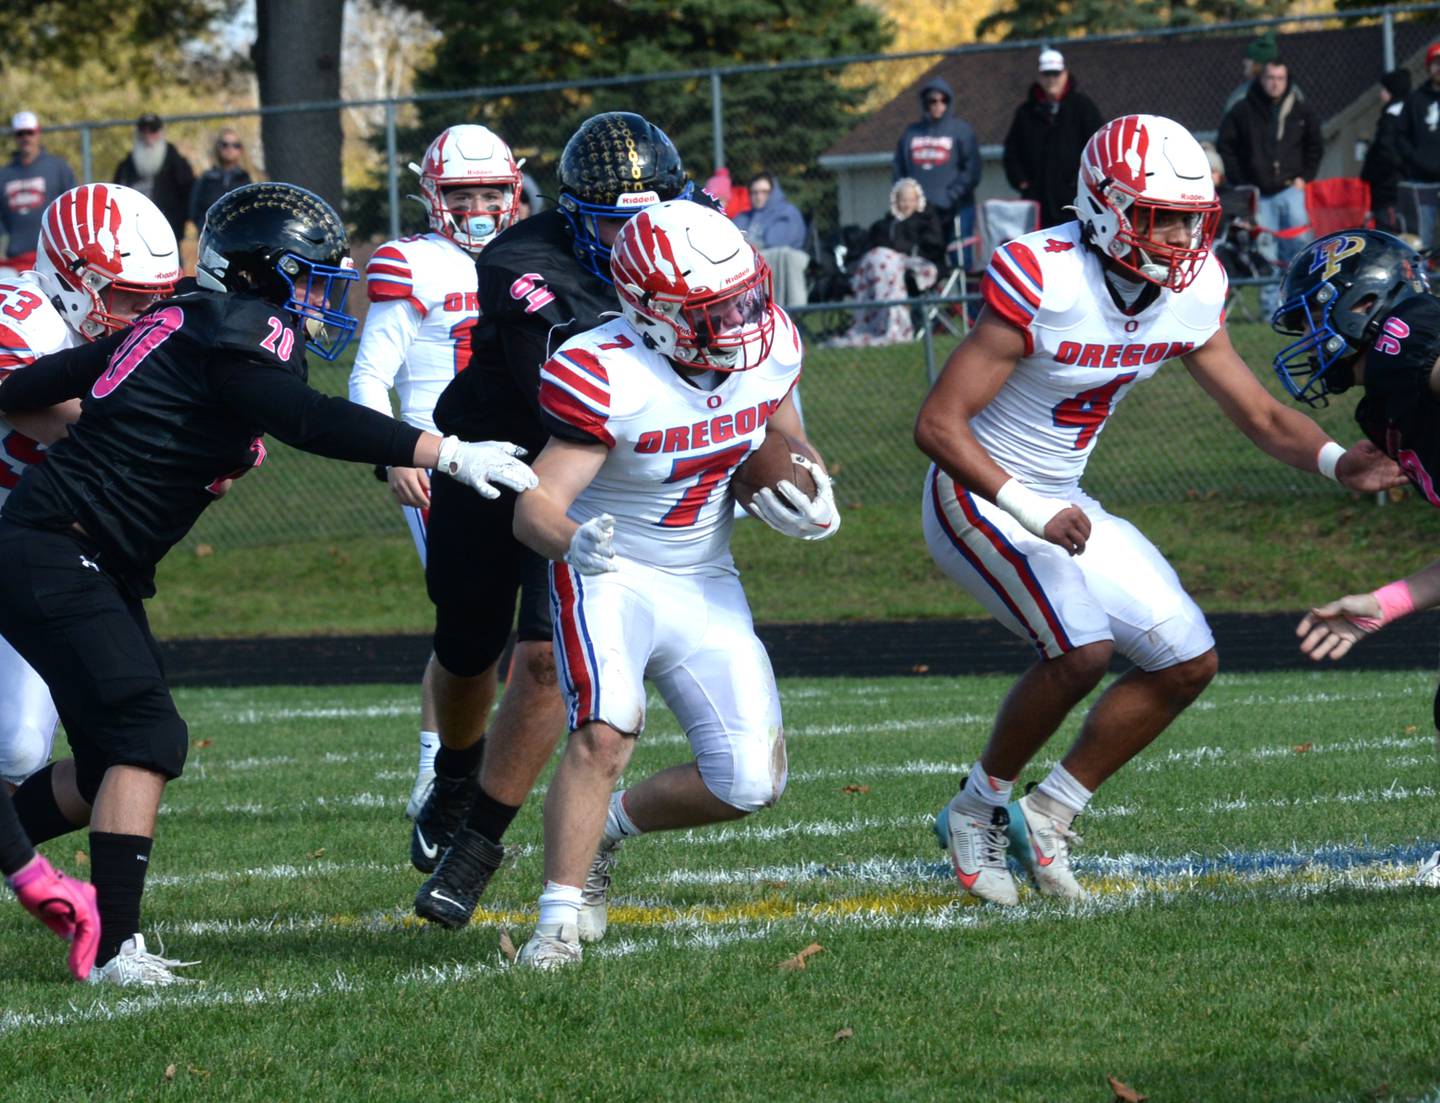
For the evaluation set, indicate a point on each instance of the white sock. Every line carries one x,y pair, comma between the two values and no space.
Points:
559,905
618,824
981,788
1063,789
429,744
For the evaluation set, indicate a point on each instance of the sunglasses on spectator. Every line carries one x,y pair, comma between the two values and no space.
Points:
935,99
25,133
229,145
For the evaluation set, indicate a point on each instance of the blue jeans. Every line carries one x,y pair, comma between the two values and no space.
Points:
1282,211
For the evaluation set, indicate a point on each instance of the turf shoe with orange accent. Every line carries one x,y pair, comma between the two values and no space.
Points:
1042,844
975,839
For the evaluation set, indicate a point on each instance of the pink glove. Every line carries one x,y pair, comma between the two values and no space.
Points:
66,906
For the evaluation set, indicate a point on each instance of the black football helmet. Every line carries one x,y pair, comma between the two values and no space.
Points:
287,245
1335,297
614,165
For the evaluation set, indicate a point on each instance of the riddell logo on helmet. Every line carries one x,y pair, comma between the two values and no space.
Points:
637,199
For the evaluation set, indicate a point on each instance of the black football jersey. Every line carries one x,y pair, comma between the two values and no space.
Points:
171,407
1399,412
534,296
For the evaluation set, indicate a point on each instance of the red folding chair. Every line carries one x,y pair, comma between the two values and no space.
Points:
1338,203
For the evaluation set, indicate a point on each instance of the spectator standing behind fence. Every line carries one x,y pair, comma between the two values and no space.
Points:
1261,50
1050,128
31,179
225,175
1271,140
157,171
910,240
776,227
941,153
1418,139
1382,167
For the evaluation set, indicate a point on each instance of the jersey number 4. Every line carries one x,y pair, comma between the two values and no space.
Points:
709,470
1088,410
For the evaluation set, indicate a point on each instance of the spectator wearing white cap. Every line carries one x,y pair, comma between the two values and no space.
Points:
27,184
1050,128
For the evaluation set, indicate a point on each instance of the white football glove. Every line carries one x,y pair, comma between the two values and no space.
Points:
804,518
480,464
592,548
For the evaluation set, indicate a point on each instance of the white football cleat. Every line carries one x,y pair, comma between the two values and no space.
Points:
595,893
424,781
551,949
1043,845
976,843
1429,874
135,967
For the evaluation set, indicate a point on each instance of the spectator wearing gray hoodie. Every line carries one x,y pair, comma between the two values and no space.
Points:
776,227
941,152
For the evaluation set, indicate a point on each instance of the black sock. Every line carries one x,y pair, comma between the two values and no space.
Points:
459,764
489,817
15,848
39,814
118,864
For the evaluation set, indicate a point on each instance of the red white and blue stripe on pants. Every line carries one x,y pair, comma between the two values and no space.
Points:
578,670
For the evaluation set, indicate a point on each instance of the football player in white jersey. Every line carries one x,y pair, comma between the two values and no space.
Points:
650,415
105,254
423,306
1074,317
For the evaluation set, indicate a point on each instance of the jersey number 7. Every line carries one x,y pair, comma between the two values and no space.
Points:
709,469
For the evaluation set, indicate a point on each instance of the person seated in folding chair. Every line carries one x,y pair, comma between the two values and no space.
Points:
906,256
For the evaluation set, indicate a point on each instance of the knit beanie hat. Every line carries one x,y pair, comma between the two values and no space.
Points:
1263,49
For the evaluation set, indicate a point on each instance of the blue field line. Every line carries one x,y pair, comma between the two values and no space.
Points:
1154,866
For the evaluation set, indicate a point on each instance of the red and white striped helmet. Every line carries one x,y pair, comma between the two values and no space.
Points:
694,287
101,238
469,156
1136,170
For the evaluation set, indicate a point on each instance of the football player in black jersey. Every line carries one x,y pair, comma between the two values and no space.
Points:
1360,304
541,282
172,409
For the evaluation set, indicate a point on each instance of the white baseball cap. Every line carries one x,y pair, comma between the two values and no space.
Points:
1051,61
24,120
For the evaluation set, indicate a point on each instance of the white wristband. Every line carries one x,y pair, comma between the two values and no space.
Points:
1032,510
1328,457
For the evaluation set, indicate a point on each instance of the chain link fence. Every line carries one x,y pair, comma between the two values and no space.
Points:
827,130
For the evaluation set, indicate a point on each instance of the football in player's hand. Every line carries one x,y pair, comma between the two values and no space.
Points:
770,464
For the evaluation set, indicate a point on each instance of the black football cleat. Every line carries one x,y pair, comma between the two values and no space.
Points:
451,894
440,816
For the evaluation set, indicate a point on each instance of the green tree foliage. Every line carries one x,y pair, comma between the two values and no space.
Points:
777,121
1067,18
150,31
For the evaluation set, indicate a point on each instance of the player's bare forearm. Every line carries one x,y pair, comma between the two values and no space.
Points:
541,523
973,375
427,451
1425,586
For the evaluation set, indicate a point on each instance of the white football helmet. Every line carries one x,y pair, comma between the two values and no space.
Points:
694,287
472,156
1133,170
98,239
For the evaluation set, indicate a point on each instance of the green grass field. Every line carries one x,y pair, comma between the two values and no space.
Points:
1254,932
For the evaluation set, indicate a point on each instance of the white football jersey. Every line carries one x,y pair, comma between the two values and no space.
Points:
673,447
423,306
1083,354
29,329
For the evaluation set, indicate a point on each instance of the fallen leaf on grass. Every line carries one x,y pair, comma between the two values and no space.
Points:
856,789
920,668
1411,729
318,852
797,962
508,948
1396,493
203,1073
844,1034
203,550
81,858
169,1072
202,743
1303,748
1124,1093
